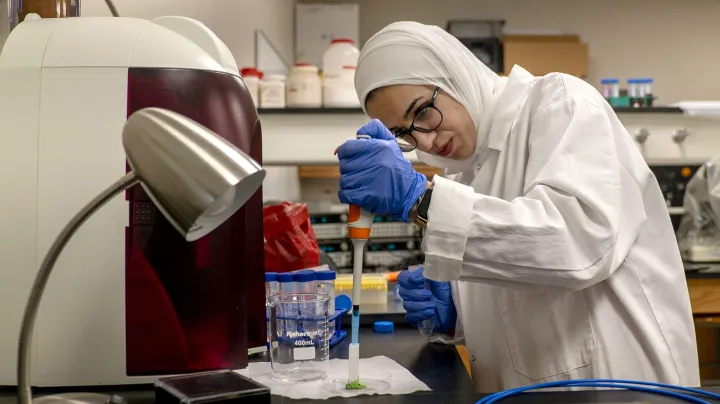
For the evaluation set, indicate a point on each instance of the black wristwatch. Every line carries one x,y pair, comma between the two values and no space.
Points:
423,205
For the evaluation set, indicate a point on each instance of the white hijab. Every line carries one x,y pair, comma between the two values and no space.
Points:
417,54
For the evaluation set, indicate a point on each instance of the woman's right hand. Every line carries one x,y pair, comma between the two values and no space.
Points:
376,176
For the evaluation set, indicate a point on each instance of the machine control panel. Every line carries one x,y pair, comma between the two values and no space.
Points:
673,180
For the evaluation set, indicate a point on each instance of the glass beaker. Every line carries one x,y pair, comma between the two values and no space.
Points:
299,353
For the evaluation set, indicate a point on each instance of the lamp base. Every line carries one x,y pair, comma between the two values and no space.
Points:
78,398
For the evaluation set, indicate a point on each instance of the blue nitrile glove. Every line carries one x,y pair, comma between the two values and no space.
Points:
421,303
376,176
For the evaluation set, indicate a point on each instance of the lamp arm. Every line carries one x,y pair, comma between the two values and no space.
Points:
41,279
112,8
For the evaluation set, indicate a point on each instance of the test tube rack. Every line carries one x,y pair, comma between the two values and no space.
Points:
338,334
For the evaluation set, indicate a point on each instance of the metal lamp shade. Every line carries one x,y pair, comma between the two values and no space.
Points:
195,177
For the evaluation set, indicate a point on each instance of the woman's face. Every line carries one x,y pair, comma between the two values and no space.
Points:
396,107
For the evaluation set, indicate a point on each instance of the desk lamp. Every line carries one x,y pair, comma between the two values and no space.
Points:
195,178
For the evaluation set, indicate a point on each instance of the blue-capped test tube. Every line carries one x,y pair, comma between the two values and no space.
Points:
286,283
271,289
305,283
286,286
325,285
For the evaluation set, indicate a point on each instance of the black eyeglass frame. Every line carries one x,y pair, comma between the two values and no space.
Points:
407,132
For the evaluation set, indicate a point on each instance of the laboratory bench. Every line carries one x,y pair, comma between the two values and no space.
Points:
703,282
704,289
438,366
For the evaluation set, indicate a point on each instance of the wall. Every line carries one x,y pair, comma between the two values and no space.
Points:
669,40
234,21
673,41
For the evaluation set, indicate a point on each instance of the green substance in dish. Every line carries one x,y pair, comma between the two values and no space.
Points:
356,385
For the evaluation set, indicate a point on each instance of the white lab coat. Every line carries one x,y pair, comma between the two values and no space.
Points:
562,247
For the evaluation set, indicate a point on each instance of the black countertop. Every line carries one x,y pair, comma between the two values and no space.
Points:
438,366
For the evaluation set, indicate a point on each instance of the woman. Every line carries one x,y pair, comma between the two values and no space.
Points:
548,223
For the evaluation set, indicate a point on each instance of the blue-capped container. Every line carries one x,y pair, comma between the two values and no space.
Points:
271,289
610,88
636,93
286,283
286,286
325,285
647,84
305,281
271,284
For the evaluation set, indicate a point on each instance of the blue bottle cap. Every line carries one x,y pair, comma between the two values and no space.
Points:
609,81
270,276
343,302
325,275
384,327
305,275
286,277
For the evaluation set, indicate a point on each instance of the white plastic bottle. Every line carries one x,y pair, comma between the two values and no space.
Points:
252,76
427,326
341,52
272,91
339,90
304,87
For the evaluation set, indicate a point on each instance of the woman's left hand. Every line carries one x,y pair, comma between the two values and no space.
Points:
376,176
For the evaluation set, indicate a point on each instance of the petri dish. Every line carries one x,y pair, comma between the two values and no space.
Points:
375,381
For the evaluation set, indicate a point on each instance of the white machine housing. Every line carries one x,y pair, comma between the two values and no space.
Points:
63,101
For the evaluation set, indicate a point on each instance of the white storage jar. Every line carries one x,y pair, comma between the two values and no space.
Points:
272,91
252,76
304,87
339,90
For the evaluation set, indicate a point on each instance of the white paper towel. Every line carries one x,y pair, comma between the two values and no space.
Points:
401,380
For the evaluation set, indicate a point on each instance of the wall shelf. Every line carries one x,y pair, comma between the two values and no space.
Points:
308,111
306,137
335,111
650,110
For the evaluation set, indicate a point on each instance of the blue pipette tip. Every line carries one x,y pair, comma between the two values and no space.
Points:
355,324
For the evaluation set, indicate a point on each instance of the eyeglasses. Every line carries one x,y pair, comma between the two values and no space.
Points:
426,120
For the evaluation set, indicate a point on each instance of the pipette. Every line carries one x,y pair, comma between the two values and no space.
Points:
359,223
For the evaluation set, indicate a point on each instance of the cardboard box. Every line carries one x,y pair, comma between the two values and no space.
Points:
543,54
